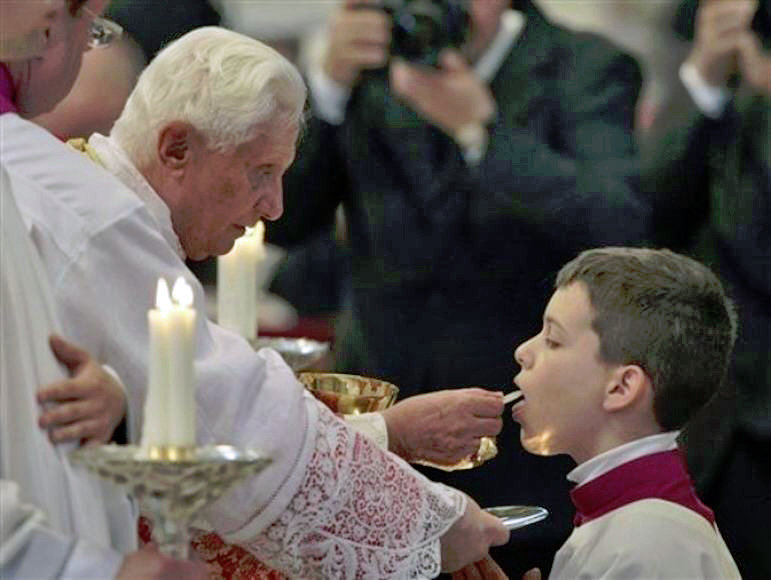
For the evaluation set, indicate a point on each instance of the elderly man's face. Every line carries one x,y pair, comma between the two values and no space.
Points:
226,192
44,81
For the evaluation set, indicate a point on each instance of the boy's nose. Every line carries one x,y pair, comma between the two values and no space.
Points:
522,355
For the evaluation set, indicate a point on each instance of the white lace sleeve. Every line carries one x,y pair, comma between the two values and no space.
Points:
359,513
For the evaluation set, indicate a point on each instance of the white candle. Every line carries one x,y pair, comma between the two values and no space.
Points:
237,283
170,404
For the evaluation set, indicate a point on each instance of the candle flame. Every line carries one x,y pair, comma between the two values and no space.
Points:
257,232
162,298
182,293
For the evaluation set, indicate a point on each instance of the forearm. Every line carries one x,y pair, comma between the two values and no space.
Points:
574,168
313,187
677,166
591,201
358,506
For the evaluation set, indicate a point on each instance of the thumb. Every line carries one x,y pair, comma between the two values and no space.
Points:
401,76
451,60
499,534
532,574
67,353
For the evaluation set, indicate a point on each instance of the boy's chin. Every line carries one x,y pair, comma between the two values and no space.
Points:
541,443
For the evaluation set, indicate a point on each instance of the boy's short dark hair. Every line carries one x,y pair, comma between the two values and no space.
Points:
666,313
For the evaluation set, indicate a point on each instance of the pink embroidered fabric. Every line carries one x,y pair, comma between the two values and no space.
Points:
223,561
229,562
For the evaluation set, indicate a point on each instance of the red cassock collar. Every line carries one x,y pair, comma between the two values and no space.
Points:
659,475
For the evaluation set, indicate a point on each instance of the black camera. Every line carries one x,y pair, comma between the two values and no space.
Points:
423,28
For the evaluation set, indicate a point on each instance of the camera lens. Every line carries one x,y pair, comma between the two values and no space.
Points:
422,28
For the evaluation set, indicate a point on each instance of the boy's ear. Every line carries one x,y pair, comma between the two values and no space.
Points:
628,385
175,145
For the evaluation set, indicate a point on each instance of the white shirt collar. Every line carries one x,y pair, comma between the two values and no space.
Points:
512,23
115,160
611,459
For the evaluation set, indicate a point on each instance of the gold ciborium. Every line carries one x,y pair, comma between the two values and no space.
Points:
350,394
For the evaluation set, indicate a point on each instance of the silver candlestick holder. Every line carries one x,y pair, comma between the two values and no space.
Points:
172,484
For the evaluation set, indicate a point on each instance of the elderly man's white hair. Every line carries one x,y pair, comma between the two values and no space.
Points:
222,83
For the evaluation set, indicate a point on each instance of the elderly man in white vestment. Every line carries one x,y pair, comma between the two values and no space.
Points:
332,504
56,521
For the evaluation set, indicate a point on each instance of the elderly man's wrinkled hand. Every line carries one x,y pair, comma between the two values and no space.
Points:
85,407
469,539
443,427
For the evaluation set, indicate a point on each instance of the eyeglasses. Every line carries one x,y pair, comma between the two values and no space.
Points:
103,31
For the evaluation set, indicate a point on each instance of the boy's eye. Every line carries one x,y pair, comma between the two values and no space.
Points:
550,343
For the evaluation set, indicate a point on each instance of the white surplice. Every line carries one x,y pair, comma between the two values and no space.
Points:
649,538
56,520
330,504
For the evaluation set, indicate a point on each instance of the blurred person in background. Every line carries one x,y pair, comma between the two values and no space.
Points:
107,76
57,520
707,167
464,187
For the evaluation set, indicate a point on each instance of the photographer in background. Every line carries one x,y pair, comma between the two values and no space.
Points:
465,184
707,167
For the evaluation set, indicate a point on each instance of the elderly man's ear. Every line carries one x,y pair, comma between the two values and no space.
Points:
176,144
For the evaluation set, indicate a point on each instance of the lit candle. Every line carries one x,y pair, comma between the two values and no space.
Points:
170,404
237,283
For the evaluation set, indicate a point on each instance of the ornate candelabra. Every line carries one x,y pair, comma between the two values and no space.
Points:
172,484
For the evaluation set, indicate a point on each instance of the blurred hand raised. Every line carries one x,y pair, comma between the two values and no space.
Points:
359,38
720,26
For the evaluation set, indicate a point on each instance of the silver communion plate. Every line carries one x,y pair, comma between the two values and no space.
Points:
299,353
518,516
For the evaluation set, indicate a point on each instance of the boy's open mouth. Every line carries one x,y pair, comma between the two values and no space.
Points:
514,397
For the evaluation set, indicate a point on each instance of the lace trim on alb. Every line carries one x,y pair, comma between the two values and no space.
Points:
359,513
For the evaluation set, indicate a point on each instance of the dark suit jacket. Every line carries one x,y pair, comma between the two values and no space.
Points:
710,182
452,266
428,233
